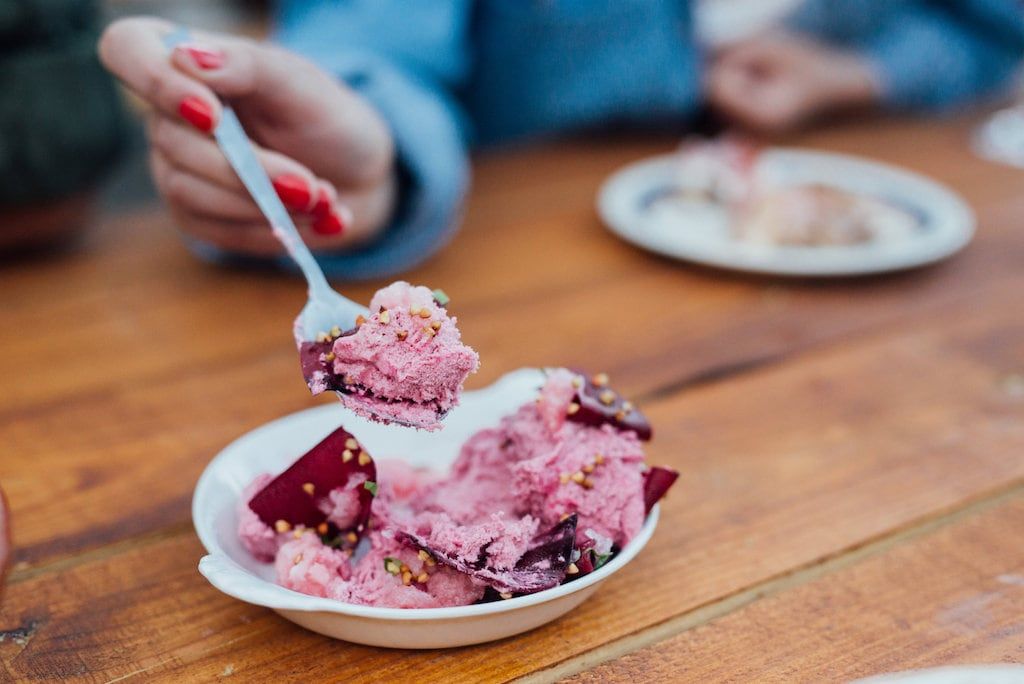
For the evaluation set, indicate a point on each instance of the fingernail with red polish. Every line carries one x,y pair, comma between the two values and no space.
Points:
204,58
197,113
293,191
329,224
323,204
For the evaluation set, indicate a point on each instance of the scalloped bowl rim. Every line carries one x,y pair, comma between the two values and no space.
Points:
229,577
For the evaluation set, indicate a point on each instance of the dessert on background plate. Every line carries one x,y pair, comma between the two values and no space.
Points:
549,495
406,363
819,215
761,209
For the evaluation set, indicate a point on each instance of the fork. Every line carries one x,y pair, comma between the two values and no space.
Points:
325,307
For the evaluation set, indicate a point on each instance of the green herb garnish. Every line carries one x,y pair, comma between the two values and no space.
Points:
441,298
371,487
392,565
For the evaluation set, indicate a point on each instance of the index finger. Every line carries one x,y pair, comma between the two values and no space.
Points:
133,50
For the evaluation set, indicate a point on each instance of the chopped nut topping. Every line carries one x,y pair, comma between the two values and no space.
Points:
506,595
578,477
429,332
425,312
364,458
430,562
282,526
335,331
620,415
436,325
297,559
329,356
347,456
360,319
587,483
406,578
607,397
423,577
589,468
600,379
351,538
391,566
577,382
572,569
573,408
598,459
351,443
308,488
385,317
564,517
323,337
297,534
564,478
402,334
414,311
423,555
321,528
627,406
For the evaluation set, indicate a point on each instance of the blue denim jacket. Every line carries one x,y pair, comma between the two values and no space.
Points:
450,74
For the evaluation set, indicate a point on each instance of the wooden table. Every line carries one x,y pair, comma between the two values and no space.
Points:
852,499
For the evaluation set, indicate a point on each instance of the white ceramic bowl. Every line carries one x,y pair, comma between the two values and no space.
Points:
274,446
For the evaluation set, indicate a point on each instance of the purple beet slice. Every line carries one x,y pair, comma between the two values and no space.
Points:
657,481
542,567
295,495
316,370
597,404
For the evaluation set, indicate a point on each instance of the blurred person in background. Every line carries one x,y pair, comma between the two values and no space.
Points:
372,104
910,55
61,124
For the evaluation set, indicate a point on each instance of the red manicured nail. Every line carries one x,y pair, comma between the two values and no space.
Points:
205,58
329,224
323,204
293,191
197,113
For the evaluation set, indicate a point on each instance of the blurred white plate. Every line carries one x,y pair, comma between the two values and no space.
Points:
274,446
633,204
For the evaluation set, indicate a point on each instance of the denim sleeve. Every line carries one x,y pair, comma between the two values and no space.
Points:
930,55
405,57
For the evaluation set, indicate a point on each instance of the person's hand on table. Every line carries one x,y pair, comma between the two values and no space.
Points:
329,154
778,82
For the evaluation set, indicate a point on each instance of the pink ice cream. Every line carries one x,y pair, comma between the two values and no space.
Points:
546,496
256,536
405,364
541,463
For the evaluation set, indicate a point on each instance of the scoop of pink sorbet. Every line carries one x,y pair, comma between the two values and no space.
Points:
540,463
306,565
407,361
257,537
405,364
507,515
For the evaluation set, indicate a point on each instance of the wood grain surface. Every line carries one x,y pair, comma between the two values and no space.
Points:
811,420
953,597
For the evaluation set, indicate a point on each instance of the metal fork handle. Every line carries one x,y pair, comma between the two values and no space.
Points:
238,149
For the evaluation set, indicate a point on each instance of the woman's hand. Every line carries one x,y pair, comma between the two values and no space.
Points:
328,152
775,83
